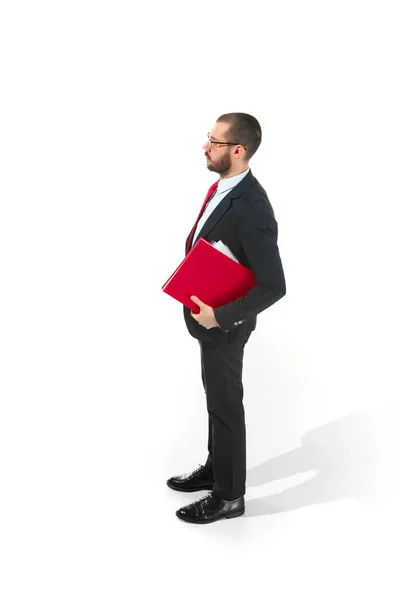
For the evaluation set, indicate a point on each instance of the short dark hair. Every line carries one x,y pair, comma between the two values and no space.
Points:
244,129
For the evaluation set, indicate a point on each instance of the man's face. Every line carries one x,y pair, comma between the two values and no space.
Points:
219,158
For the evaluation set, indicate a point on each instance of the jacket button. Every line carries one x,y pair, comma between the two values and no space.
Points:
235,323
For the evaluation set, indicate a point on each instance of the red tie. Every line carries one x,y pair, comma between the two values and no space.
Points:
209,193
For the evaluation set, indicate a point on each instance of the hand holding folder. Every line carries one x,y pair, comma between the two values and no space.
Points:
210,274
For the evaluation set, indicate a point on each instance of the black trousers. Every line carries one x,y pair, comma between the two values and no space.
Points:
221,371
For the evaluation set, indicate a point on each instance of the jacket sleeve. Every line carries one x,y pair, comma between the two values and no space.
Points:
258,232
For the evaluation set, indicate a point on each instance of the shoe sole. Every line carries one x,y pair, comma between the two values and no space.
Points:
195,489
237,513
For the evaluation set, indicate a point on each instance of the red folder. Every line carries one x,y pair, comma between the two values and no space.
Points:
205,272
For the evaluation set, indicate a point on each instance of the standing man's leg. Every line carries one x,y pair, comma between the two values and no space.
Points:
208,464
222,366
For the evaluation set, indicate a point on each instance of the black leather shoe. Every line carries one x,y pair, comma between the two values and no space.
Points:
210,509
199,479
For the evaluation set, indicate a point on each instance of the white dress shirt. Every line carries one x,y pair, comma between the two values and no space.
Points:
224,186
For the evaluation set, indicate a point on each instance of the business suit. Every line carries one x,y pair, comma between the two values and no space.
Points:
244,220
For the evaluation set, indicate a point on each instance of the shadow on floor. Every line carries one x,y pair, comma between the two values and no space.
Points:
356,456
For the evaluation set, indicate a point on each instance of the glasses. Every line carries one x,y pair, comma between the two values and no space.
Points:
211,142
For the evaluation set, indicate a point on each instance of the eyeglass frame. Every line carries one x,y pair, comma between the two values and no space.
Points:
211,142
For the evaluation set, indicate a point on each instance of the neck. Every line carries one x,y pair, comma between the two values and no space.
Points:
234,172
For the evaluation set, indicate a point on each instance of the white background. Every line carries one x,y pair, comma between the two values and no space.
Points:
105,107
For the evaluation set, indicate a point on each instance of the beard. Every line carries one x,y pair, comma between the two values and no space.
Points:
220,165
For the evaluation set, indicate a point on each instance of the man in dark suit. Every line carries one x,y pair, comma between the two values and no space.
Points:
240,215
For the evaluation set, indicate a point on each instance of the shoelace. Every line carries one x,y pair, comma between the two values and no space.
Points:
196,470
204,497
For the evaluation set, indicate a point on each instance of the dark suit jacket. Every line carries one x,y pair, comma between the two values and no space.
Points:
244,220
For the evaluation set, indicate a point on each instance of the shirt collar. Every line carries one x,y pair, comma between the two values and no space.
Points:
230,182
